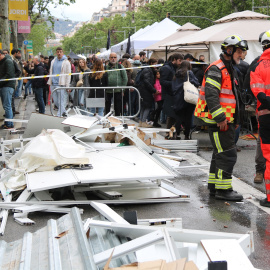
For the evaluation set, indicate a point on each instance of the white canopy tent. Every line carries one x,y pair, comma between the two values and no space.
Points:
159,48
247,24
156,33
119,48
104,55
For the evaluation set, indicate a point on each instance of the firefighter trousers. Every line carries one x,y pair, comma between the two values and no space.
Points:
264,131
223,158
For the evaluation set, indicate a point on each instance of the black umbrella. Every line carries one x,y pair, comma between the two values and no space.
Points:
128,45
109,40
74,56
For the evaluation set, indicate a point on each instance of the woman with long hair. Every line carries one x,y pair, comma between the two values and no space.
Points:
98,79
182,109
80,80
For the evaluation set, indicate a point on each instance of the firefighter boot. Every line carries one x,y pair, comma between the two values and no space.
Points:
212,190
228,195
258,179
264,202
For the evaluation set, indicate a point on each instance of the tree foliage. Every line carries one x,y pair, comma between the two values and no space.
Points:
40,33
37,8
155,12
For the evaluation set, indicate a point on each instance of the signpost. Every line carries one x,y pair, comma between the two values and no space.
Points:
29,46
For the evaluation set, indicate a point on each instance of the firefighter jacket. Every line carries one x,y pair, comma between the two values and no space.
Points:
260,82
218,98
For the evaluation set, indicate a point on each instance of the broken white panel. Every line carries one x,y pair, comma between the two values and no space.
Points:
25,196
38,122
127,163
139,193
81,121
38,181
43,196
121,164
227,250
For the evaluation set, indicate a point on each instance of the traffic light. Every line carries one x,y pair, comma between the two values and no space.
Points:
82,46
168,15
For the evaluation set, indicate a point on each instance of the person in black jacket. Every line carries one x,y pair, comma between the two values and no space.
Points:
167,72
147,89
182,109
98,79
7,71
38,84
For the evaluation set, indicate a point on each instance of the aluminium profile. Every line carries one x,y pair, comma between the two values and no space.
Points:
131,246
108,213
24,221
5,216
60,203
179,235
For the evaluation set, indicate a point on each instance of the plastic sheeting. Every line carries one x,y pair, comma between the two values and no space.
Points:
49,149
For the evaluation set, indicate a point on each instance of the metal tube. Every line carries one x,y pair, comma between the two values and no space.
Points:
108,87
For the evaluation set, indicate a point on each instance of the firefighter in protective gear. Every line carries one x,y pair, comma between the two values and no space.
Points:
260,86
218,107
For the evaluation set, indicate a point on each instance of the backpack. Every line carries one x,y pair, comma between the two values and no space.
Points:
138,78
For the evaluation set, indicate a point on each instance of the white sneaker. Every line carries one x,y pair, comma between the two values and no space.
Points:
150,123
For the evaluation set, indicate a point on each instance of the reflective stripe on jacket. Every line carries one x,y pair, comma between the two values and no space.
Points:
260,81
227,101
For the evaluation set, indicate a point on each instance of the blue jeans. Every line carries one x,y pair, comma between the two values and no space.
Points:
39,99
60,99
28,86
6,96
100,111
18,91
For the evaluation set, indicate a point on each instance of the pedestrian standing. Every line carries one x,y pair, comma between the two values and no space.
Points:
133,93
16,55
158,101
127,97
183,110
218,107
60,66
167,72
7,71
259,84
80,80
38,83
117,76
147,90
99,78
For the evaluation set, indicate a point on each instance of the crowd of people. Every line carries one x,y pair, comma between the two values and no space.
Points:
224,92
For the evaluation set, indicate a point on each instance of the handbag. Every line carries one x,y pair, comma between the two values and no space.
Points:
79,83
191,93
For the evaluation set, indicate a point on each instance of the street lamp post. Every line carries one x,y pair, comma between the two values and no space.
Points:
131,27
113,31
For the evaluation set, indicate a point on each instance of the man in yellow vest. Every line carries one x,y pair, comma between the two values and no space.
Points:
218,108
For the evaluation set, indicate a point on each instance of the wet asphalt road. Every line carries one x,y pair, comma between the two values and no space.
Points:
201,213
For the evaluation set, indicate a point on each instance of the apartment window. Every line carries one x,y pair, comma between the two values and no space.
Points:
123,7
115,7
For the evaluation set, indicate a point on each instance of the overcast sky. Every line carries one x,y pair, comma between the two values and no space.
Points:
82,10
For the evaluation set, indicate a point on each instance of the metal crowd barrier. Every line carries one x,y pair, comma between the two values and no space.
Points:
127,110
